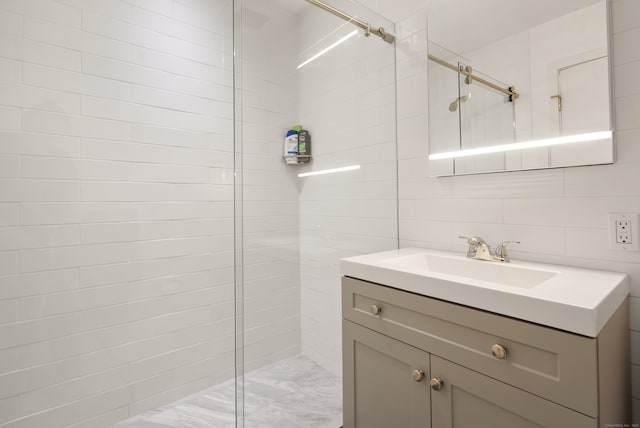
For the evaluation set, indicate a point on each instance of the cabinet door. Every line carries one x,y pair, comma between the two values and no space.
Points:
383,387
470,399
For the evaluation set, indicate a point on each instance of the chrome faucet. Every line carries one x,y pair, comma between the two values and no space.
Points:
480,250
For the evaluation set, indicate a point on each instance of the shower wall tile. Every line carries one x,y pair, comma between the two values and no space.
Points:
9,118
116,208
21,49
560,215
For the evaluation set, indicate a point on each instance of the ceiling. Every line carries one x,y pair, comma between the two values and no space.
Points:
465,25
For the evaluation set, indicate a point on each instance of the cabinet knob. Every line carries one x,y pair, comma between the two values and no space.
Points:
499,351
375,309
417,375
436,384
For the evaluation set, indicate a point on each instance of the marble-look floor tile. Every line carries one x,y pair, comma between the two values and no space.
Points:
294,393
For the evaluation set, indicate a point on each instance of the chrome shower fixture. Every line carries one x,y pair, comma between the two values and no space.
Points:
454,105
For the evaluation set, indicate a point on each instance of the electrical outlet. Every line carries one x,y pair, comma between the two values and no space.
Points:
623,231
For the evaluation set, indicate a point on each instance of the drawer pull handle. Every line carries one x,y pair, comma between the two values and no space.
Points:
375,309
436,384
499,351
417,375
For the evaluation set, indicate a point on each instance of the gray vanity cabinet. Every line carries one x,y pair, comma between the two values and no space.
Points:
383,373
414,361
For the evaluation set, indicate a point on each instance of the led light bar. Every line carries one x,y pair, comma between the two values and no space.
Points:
329,171
579,138
327,49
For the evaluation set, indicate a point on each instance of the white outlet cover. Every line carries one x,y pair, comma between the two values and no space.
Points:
634,219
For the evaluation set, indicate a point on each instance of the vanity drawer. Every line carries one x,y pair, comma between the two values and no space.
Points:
550,363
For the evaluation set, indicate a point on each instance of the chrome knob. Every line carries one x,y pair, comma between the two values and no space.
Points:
499,351
436,384
375,309
417,375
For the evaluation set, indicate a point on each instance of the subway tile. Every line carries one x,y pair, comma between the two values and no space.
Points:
17,95
39,53
97,297
75,39
117,110
78,83
150,153
75,126
170,63
605,180
24,237
24,143
627,111
117,9
9,214
623,14
68,257
181,102
105,419
13,190
588,212
10,70
172,137
8,312
624,81
70,391
9,166
624,44
11,23
73,169
121,338
39,283
77,212
594,244
168,248
164,7
9,409
168,24
45,9
8,361
10,118
124,32
22,333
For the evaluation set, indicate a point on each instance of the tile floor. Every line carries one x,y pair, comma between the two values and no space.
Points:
292,393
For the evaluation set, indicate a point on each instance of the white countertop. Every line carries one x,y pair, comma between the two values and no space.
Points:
573,299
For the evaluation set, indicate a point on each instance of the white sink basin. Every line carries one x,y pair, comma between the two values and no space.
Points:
572,299
498,273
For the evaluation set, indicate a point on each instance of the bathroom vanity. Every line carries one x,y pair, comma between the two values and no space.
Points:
428,344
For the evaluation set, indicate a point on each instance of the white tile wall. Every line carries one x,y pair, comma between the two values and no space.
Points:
559,215
116,207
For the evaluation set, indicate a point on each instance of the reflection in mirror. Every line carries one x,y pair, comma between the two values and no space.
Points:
518,85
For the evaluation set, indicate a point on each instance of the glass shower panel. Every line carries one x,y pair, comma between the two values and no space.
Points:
116,211
303,66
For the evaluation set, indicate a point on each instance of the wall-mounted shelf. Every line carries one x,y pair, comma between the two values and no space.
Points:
300,159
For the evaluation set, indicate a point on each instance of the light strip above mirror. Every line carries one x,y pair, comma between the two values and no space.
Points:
329,171
579,138
327,49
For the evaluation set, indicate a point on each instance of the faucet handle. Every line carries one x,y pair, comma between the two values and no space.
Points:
472,240
501,250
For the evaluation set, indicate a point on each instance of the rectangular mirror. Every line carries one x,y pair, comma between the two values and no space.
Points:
518,85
